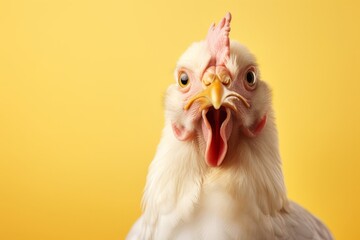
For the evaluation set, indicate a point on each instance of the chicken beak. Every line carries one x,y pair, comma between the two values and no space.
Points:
212,95
216,92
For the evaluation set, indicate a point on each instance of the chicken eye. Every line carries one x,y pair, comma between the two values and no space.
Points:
251,78
183,79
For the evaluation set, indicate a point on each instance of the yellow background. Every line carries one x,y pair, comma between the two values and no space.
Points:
81,87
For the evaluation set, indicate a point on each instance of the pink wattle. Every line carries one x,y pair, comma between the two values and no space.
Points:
216,128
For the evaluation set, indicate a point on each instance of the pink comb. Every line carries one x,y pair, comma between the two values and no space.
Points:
218,41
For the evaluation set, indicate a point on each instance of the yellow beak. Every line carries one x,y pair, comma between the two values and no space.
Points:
215,93
212,95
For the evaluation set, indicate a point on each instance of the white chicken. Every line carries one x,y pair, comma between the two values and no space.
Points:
217,170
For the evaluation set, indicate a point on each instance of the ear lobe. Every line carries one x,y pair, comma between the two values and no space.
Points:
256,129
181,133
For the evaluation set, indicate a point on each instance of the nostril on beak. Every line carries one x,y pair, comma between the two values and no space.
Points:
226,81
206,83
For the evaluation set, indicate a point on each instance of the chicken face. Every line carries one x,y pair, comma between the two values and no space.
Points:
218,91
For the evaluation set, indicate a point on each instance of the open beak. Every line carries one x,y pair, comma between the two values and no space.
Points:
216,125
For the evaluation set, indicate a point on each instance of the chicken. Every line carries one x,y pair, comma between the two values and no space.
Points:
217,170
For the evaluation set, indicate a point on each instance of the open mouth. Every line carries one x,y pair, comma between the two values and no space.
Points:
216,129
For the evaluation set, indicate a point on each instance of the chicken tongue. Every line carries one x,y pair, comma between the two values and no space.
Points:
216,129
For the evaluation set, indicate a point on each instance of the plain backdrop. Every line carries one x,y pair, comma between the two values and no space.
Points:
81,112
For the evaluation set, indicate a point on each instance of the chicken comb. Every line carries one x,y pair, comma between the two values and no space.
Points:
218,41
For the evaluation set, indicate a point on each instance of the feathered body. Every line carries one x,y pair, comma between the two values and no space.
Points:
217,170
